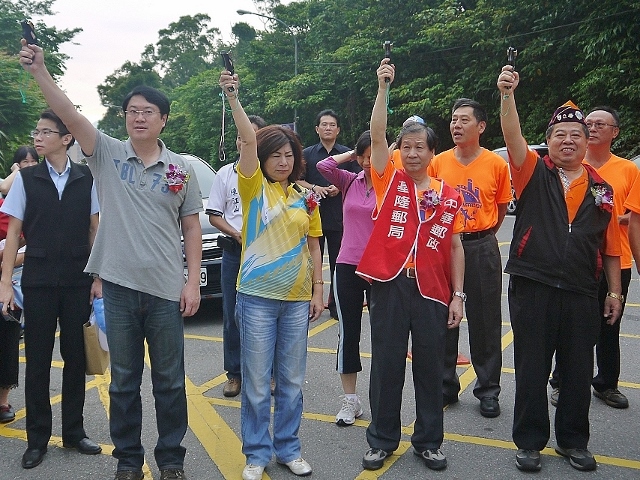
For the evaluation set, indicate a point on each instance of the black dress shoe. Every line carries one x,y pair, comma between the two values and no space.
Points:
489,407
85,446
33,457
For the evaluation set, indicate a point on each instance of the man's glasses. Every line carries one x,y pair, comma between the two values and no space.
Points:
45,132
147,112
599,125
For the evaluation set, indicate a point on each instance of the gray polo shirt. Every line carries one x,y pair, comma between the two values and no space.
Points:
138,241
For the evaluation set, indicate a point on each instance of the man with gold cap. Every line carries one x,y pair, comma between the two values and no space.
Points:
562,240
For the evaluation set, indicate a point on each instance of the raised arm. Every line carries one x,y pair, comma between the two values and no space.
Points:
379,148
509,120
248,163
32,60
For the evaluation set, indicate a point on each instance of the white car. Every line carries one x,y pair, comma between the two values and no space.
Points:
211,252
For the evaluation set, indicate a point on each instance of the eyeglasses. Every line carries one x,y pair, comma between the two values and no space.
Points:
599,125
147,112
45,132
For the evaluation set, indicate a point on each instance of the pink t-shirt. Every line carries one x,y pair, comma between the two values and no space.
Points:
357,207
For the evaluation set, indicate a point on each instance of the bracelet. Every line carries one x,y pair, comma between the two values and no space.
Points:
318,282
616,296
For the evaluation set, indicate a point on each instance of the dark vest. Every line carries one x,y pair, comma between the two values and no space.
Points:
545,246
56,230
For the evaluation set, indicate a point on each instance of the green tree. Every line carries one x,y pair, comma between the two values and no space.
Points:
186,48
20,100
115,88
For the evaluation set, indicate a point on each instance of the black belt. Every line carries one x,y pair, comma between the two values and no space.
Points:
475,235
409,272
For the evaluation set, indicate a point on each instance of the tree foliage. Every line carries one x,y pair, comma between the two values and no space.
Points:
20,100
443,50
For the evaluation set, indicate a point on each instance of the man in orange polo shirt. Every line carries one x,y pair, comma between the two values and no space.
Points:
482,178
562,239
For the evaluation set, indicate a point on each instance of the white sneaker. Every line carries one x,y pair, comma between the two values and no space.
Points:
252,472
351,409
299,467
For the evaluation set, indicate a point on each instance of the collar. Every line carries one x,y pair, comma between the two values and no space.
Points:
131,153
53,170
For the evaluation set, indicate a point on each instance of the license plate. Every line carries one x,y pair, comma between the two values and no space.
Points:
203,276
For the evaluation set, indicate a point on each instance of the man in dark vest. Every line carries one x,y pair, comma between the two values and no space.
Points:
563,238
55,205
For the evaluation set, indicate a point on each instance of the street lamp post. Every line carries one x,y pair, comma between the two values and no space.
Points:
295,52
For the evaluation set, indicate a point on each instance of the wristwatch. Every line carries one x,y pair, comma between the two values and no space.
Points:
462,295
616,296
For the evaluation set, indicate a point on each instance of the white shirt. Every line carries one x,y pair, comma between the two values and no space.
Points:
224,198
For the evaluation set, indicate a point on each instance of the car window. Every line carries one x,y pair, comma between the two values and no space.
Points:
205,176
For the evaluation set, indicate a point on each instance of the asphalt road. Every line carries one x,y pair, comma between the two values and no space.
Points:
476,447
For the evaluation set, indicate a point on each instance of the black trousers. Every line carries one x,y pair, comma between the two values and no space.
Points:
9,350
608,345
397,309
483,308
334,240
350,291
545,320
44,307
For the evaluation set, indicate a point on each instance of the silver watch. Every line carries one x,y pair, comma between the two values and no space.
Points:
462,295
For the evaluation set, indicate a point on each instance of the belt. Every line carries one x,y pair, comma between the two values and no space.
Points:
409,272
475,235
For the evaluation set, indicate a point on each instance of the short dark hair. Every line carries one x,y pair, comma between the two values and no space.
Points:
23,152
62,128
415,127
478,110
364,142
273,138
325,113
257,120
151,95
612,111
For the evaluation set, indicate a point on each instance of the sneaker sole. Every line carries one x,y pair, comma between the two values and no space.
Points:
490,414
574,464
528,468
431,466
373,466
344,423
377,465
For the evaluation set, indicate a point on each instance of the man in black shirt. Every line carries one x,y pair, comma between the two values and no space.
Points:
327,128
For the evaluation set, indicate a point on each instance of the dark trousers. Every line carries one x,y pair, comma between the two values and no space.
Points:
334,240
44,308
545,320
230,333
608,345
9,350
483,286
397,309
350,291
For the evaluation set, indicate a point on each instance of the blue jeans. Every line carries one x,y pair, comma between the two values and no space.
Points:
230,333
272,332
132,317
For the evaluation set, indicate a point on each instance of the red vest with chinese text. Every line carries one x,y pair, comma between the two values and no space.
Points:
399,231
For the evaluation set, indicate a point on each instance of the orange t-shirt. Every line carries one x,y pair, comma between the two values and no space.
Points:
633,199
483,184
620,173
573,198
381,183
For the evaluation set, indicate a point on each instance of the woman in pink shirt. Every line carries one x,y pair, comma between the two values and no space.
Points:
359,201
